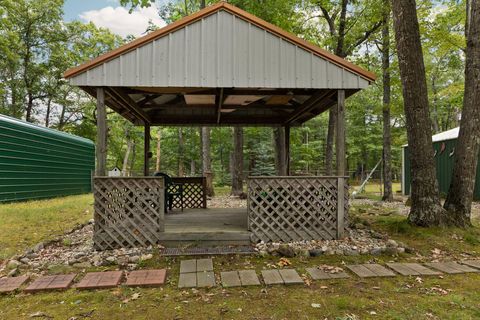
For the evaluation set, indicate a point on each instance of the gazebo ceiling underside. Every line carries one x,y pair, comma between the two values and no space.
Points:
218,106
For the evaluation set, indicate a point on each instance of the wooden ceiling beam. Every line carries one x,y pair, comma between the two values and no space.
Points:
219,101
308,105
128,103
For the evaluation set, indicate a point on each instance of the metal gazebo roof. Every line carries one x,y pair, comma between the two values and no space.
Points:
220,66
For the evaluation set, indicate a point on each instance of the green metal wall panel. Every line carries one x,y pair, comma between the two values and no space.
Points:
37,162
444,158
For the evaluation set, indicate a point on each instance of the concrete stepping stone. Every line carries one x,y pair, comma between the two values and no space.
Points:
12,284
100,280
370,270
472,263
248,278
412,269
318,274
204,265
272,277
205,279
187,280
450,267
57,282
188,266
290,276
146,278
230,279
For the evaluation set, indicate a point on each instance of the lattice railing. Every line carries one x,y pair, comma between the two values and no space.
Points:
194,194
283,209
128,212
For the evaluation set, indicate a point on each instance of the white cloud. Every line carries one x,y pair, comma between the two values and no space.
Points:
120,22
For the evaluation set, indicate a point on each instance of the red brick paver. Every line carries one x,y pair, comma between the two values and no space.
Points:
146,278
12,284
100,280
58,282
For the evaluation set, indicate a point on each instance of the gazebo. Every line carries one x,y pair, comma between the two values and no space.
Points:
220,67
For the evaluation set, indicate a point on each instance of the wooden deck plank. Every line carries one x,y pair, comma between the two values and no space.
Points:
188,266
361,271
230,279
205,279
403,269
461,267
424,271
379,270
290,276
472,263
248,278
272,277
187,280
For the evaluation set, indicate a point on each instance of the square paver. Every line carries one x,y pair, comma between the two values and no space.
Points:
58,282
412,269
450,267
12,284
188,266
318,274
204,265
205,279
100,280
187,280
146,278
370,270
290,276
272,277
230,279
248,278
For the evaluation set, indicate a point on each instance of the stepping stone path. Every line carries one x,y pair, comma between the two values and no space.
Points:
239,278
283,276
58,282
450,267
472,263
12,284
196,273
100,280
412,269
370,270
318,274
146,278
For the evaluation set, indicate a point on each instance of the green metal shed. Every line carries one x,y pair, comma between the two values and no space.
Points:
37,162
444,151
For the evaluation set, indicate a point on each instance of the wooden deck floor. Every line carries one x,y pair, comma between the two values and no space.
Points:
206,227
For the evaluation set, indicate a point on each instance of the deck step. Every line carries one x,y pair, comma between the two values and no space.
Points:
204,239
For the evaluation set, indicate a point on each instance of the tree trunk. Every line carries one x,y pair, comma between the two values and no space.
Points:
280,151
387,152
47,115
125,172
181,158
159,153
237,165
193,168
207,161
425,209
460,194
332,119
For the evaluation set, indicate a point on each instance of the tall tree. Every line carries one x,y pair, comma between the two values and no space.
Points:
387,148
426,209
237,163
460,194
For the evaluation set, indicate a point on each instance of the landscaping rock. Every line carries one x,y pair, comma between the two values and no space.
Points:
13,264
146,257
13,273
286,251
38,247
316,252
392,243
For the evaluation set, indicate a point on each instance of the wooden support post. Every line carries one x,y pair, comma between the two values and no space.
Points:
340,143
287,149
146,151
101,134
340,207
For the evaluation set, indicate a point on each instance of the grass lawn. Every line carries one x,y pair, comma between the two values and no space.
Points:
24,224
446,297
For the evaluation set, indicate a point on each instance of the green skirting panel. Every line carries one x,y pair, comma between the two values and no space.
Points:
37,163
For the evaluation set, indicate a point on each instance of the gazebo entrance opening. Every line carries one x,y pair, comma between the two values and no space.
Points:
219,67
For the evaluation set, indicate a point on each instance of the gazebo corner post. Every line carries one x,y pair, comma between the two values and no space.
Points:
101,150
146,150
340,154
287,150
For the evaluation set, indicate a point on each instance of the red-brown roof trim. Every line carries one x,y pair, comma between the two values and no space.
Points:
210,10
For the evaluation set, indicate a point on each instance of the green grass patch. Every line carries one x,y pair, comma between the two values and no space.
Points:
24,224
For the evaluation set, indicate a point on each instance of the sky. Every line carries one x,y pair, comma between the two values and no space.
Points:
109,14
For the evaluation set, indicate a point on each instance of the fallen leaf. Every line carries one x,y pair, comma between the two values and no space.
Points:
316,305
